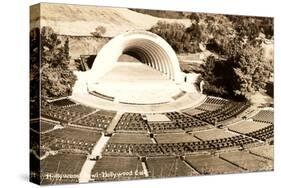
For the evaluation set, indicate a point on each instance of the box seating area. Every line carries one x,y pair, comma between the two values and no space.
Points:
81,108
229,110
216,100
212,104
192,111
100,119
117,168
131,122
62,164
176,148
214,133
235,141
70,139
245,127
178,123
217,144
209,107
263,134
132,149
63,102
209,164
164,127
266,151
184,121
248,161
264,116
174,138
130,138
62,114
168,167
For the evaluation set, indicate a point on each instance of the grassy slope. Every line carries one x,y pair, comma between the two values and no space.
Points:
82,20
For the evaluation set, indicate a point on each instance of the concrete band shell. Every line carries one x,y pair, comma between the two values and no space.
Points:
149,48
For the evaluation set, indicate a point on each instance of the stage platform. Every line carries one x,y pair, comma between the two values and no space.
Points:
135,87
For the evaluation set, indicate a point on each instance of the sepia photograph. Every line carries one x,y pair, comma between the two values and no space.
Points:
127,94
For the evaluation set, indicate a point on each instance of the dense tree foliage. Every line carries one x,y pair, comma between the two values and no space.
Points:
218,77
181,39
57,79
250,27
241,68
218,30
243,71
211,31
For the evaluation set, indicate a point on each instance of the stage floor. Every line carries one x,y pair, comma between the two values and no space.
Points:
136,83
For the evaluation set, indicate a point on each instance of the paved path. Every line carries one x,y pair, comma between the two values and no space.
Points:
112,125
85,174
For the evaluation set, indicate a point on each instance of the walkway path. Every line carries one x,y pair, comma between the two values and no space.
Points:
85,174
112,125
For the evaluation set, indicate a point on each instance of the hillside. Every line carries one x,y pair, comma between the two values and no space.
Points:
82,20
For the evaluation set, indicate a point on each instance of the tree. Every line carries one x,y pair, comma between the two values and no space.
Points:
251,71
57,79
218,30
217,75
194,16
100,30
243,72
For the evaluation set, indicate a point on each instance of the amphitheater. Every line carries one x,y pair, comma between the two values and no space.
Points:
146,119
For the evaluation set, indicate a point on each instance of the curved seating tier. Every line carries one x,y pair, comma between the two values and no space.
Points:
264,116
176,148
67,114
184,121
178,123
216,100
228,111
